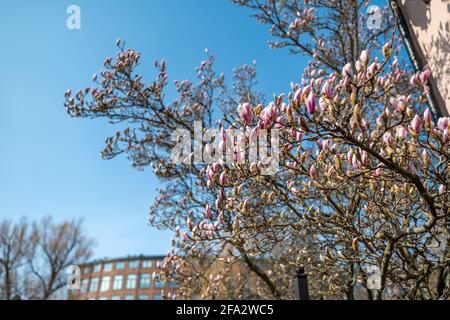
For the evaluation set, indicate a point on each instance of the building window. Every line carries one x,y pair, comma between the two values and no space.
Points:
94,285
143,297
105,284
107,267
84,285
159,284
146,264
97,268
102,298
157,296
131,281
172,284
145,281
115,298
132,264
158,264
117,284
129,297
86,270
120,265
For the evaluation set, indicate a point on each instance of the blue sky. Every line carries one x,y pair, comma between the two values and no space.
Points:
50,163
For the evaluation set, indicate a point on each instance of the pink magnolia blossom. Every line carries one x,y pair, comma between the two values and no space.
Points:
425,75
443,123
245,113
378,172
441,189
401,132
216,167
387,139
414,79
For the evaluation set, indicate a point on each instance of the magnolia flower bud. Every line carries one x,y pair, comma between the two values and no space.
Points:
322,105
441,189
254,167
364,57
311,103
297,95
347,69
416,123
313,172
218,203
425,158
326,91
350,157
372,69
387,50
208,211
245,205
222,178
427,118
364,158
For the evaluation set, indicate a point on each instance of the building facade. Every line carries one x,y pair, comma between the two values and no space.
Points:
129,278
428,23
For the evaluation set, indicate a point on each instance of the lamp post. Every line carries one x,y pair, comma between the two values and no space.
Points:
302,283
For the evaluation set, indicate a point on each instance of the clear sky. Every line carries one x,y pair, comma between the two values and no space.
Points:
50,163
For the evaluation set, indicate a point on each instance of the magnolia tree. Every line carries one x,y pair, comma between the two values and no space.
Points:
354,185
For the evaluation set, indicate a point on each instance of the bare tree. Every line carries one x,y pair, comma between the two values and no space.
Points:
35,257
15,247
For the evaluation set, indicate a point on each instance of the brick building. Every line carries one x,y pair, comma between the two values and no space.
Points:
129,278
